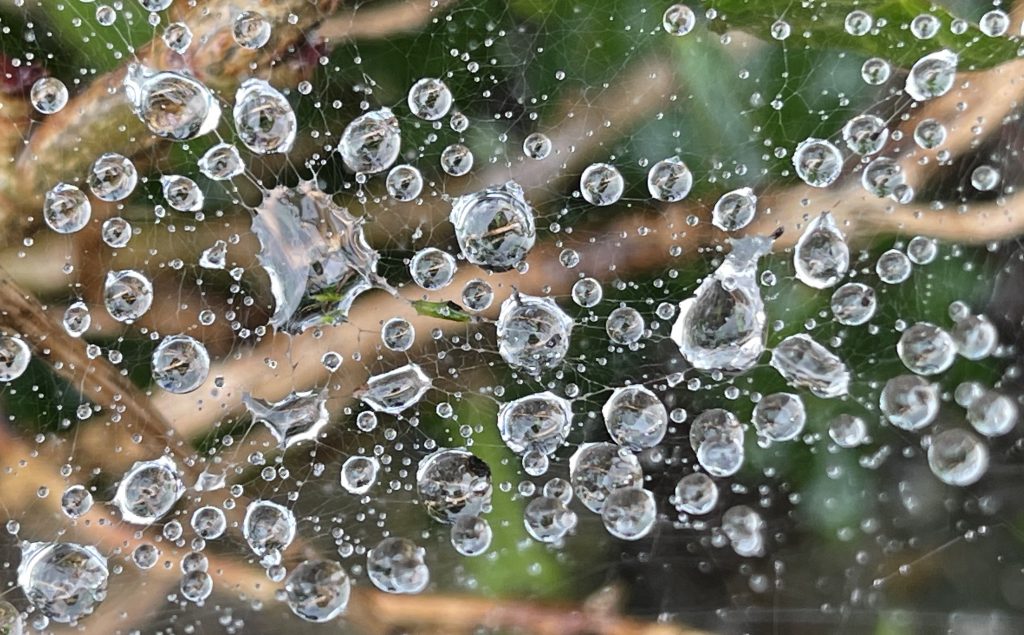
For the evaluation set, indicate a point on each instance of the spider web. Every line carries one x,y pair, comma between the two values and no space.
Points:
858,539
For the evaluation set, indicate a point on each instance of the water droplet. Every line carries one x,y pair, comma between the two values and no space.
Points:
75,502
429,99
180,364
745,529
65,581
316,256
848,431
453,483
722,325
601,184
396,390
112,177
909,402
858,23
853,304
587,292
251,30
264,120
635,417
629,513
537,146
432,268
804,363
957,457
49,95
221,162
396,565
994,23
209,522
77,319
457,160
865,134
993,414
734,210
495,226
926,349
148,491
678,20
477,295
929,134
548,520
536,423
625,325
696,494
533,333
66,209
397,334
172,105
669,180
932,75
177,37
127,294
875,71
471,535
597,469
116,232
818,162
318,590
780,416
268,528
359,473
404,183
821,257
370,143
893,267
975,336
985,178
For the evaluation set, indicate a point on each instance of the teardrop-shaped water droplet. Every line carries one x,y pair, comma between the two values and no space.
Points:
821,257
734,210
268,528
722,325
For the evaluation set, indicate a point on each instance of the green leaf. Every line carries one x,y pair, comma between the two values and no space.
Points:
821,25
442,310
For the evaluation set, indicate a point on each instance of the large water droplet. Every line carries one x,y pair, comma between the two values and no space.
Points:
957,457
318,590
804,363
394,391
601,184
396,565
734,210
315,254
127,294
495,226
669,180
180,364
597,469
429,99
932,75
14,357
909,402
817,162
635,417
533,332
722,325
112,177
535,423
268,528
221,162
64,580
66,209
264,119
370,143
148,491
172,105
926,349
629,513
453,483
821,257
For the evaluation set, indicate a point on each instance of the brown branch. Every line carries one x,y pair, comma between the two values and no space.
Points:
374,22
97,379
